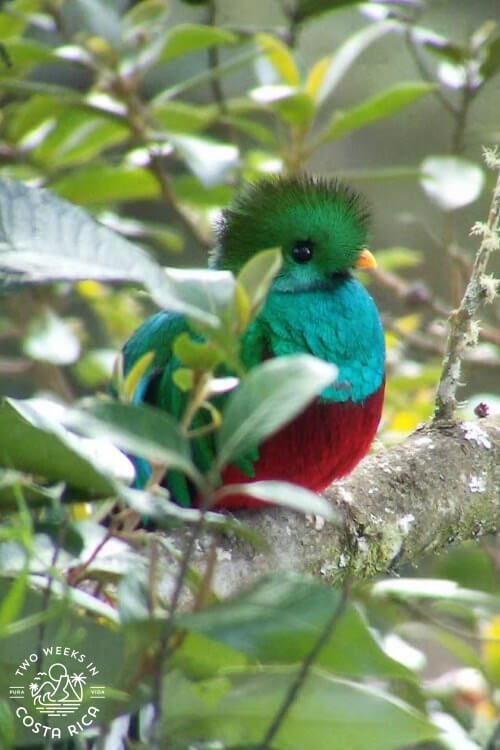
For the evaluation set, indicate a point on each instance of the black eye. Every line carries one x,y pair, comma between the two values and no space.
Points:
302,251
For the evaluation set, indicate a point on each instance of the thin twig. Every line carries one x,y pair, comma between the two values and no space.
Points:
164,642
462,328
305,667
214,62
416,295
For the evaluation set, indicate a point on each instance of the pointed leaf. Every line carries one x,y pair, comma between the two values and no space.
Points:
193,37
306,9
257,275
383,104
280,57
32,442
272,394
43,239
328,714
285,494
279,619
136,428
347,53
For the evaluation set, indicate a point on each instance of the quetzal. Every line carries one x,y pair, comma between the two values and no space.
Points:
314,306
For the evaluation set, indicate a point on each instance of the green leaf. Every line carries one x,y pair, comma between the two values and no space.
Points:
272,394
209,160
285,494
35,443
306,9
196,355
328,714
188,189
347,53
279,619
50,339
27,53
12,603
376,107
296,108
77,137
451,181
280,57
257,275
181,117
7,728
136,428
491,64
104,184
144,17
45,239
133,595
29,115
14,484
193,37
200,657
98,18
433,588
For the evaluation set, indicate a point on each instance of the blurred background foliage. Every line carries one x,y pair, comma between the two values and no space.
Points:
149,114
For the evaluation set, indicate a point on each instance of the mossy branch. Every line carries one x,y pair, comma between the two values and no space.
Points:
463,328
439,487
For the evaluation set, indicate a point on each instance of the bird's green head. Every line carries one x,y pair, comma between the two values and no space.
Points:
320,226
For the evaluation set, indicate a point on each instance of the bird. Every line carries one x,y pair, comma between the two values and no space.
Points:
315,305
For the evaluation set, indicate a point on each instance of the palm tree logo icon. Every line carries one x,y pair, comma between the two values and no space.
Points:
56,692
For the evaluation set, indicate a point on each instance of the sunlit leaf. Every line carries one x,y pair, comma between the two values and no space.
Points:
315,77
104,184
136,428
43,238
285,494
257,275
185,38
432,588
280,57
451,181
33,442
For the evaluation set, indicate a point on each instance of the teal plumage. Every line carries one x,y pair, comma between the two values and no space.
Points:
314,306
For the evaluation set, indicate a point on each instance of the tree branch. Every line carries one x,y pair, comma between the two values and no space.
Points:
440,486
463,331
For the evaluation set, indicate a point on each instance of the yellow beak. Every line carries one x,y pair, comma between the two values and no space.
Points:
365,260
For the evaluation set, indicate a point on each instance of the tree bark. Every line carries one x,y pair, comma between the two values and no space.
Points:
439,487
